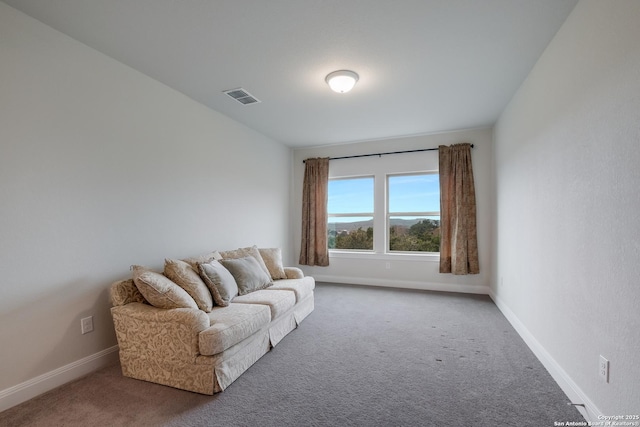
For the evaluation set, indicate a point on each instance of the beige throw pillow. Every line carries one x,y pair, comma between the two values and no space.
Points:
248,274
220,282
159,291
244,252
194,261
188,279
272,258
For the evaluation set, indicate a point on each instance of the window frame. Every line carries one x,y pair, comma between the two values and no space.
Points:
379,168
354,215
389,214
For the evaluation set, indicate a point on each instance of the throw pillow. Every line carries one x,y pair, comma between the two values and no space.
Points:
272,258
194,261
188,279
159,291
245,252
220,282
248,274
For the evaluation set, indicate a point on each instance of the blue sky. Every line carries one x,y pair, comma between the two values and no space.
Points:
407,193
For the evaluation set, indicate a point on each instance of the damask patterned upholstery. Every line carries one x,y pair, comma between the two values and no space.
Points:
190,349
230,325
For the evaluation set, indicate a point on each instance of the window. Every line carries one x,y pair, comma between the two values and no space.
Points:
413,213
350,213
389,214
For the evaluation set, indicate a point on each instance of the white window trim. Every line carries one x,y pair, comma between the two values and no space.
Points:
389,256
356,215
380,182
389,214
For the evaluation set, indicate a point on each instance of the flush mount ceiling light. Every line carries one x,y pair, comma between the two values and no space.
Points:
341,81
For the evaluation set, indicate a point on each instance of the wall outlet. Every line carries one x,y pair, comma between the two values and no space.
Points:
603,369
387,265
86,325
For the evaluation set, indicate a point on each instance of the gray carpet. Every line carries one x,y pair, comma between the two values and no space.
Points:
364,357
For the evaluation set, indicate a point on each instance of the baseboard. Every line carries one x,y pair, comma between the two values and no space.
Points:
404,284
590,412
22,392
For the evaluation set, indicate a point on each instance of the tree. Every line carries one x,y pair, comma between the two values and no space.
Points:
356,239
423,236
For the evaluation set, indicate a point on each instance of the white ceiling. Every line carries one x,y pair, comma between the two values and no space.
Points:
425,65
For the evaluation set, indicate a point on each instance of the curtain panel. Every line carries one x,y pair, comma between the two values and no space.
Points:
458,234
313,248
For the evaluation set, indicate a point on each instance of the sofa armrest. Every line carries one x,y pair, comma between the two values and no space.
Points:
156,333
293,273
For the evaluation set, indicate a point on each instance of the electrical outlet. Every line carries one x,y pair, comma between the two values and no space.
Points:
603,369
387,265
86,325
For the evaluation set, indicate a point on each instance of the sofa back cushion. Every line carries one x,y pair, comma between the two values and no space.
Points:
194,261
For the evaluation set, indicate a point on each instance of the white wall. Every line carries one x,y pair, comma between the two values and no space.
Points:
102,167
405,271
567,244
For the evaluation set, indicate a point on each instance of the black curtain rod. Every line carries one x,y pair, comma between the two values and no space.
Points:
382,154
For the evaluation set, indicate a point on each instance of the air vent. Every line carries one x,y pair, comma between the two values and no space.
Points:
242,96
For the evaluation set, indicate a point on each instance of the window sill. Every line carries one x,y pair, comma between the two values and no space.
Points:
429,257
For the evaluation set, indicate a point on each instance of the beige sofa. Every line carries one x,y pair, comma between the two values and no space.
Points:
204,352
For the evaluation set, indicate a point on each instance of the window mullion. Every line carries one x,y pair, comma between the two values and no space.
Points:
379,219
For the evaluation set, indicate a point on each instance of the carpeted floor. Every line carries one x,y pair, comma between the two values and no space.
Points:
365,357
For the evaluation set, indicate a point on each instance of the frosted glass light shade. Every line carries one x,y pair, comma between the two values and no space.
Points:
342,81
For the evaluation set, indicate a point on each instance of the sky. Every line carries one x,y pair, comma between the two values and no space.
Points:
407,193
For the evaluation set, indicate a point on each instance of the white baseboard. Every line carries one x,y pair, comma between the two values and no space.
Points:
405,284
22,392
590,412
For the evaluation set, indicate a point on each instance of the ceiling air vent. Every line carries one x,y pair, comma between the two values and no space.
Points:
242,96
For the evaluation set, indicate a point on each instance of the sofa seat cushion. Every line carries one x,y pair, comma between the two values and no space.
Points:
301,287
230,325
279,302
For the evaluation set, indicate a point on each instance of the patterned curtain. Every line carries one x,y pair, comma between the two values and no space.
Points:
458,240
314,249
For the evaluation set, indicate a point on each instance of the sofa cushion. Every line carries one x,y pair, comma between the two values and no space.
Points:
220,282
188,279
272,258
248,274
245,252
230,325
301,287
194,261
159,291
278,301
